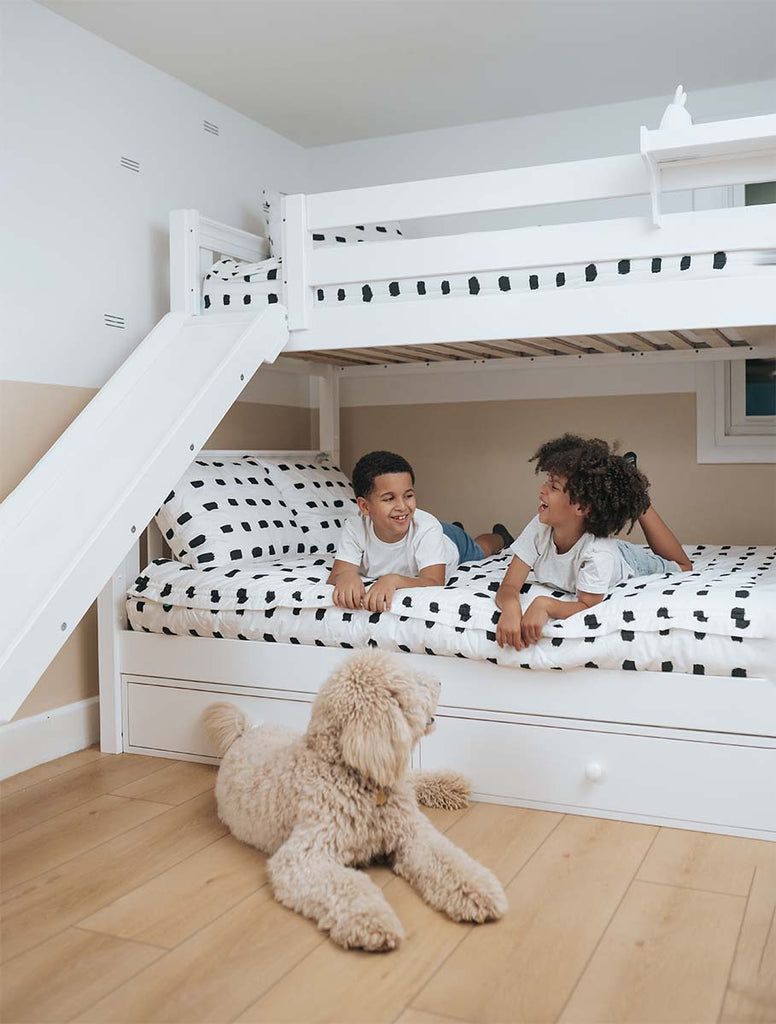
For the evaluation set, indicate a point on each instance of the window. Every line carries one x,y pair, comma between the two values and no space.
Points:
736,410
751,397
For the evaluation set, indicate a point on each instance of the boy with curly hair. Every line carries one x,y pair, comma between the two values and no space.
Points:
589,495
396,541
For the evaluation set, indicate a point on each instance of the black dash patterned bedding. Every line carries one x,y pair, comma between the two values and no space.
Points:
716,620
237,285
226,510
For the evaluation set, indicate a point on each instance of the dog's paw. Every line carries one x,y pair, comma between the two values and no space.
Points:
376,930
478,900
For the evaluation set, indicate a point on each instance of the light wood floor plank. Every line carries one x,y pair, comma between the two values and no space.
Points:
63,837
49,770
698,860
525,967
751,993
186,897
337,985
35,804
503,838
36,910
443,820
217,972
176,783
650,966
334,984
60,977
418,1017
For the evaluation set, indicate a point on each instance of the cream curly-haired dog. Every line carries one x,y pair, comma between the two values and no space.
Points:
340,796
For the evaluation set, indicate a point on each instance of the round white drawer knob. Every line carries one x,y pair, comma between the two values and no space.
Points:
594,771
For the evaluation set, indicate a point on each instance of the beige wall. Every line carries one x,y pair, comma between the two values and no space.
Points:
471,460
32,416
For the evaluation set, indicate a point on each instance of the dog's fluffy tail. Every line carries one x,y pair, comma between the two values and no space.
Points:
445,789
225,723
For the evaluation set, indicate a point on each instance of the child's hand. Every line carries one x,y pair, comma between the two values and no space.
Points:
508,632
534,620
380,594
349,592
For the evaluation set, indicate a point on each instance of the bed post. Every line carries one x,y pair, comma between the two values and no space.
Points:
111,621
297,246
185,270
328,412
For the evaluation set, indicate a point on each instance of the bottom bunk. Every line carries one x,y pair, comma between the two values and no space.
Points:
658,705
689,751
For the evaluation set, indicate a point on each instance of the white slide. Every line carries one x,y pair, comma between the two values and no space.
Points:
78,512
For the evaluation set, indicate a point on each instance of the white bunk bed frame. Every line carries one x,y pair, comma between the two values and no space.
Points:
690,751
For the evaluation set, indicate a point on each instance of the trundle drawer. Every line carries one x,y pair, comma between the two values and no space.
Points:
168,719
677,779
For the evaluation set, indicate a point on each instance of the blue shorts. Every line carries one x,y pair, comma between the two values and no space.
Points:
468,549
644,562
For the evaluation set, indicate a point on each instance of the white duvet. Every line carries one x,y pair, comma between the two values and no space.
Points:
719,619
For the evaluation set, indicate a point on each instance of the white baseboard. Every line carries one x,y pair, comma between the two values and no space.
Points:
28,742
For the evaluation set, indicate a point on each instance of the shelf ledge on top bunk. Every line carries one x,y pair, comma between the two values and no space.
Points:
744,140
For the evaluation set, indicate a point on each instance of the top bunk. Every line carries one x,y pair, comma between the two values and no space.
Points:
700,283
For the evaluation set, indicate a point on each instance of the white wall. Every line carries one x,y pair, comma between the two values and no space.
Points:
82,236
583,134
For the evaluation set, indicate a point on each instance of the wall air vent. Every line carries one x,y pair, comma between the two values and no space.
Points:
114,321
131,165
210,127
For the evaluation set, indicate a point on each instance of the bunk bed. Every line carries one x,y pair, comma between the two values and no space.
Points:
629,742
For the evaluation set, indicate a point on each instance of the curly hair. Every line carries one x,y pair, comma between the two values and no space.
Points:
374,464
614,491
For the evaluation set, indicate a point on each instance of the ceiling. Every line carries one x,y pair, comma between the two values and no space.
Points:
328,71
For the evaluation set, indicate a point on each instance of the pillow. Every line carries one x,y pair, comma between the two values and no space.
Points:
226,510
319,495
387,232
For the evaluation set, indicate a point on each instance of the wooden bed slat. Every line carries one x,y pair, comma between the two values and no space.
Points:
577,344
632,341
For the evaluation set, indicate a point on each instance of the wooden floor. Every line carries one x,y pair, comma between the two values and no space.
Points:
124,899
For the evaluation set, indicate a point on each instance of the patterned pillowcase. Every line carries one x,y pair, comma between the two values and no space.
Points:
388,232
319,495
226,510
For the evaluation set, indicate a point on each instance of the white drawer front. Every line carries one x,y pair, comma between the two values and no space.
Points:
169,718
659,778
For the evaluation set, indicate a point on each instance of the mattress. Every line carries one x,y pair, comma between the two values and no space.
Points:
237,285
716,620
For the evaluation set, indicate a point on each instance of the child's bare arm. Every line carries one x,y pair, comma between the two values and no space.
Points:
349,588
508,600
381,592
662,541
543,608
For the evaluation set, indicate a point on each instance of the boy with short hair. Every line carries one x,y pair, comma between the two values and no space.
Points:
589,495
396,541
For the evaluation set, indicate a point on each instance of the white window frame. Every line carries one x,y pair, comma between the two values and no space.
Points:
714,385
738,422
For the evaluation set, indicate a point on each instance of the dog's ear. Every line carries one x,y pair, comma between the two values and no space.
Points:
377,742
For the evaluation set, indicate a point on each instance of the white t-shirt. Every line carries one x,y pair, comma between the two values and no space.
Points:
593,565
423,544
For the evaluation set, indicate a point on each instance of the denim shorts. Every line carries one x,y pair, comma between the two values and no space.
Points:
643,561
468,549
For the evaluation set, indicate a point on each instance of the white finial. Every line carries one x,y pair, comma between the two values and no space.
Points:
676,114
